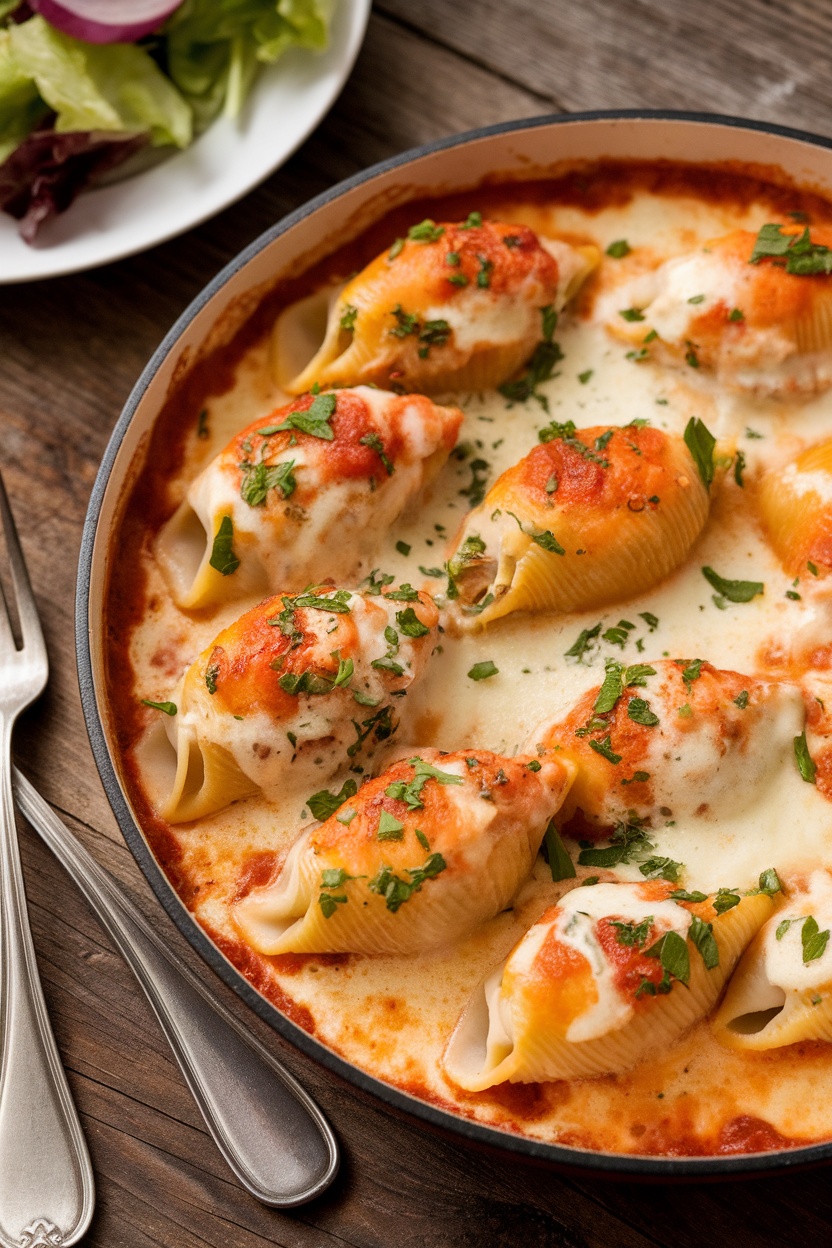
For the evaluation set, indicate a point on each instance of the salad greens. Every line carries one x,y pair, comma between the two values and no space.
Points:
112,98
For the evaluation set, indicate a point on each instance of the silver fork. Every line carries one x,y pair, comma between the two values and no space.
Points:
47,1193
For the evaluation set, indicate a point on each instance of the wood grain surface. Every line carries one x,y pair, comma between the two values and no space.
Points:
71,351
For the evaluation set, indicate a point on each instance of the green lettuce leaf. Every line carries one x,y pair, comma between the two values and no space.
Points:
115,86
21,107
214,47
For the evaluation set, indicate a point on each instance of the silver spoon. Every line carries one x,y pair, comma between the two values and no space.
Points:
267,1128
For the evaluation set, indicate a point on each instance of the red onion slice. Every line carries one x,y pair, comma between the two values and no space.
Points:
105,21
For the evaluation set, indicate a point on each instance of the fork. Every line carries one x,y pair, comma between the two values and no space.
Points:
47,1193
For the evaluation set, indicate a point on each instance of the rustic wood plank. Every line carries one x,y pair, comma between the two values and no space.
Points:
741,56
72,349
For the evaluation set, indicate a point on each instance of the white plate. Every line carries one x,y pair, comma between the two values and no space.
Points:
288,101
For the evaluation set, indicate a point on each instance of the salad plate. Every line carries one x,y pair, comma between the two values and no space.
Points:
287,102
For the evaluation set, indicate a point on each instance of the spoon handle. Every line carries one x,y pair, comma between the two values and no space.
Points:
269,1130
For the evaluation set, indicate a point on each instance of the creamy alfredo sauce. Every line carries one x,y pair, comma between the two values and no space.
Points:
392,1016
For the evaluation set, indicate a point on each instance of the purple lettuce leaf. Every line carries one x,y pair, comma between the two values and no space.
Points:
43,175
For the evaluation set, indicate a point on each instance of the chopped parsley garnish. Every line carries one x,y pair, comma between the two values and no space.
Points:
632,935
560,864
770,882
458,279
631,314
258,479
484,272
429,333
617,634
693,670
565,432
211,673
167,708
453,259
396,249
439,572
652,621
741,700
482,670
534,765
604,748
629,843
308,682
812,568
422,839
410,624
472,221
390,828
223,559
619,249
701,934
734,591
397,891
726,899
803,258
701,442
375,444
672,952
380,725
202,425
426,231
583,378
682,894
813,941
547,354
547,541
691,357
805,765
696,299
475,492
659,868
639,711
410,791
377,581
324,804
405,593
736,314
348,316
583,643
314,420
403,548
739,469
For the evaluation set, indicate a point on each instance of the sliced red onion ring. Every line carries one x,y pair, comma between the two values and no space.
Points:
105,21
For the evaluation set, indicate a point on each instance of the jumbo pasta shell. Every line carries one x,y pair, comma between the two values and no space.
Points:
455,309
385,876
796,506
525,1022
573,527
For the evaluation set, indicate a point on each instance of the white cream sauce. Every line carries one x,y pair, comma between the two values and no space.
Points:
393,1015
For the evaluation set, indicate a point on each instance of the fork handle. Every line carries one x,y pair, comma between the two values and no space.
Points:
270,1131
47,1192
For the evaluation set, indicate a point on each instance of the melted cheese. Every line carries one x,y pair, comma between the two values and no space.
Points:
392,1015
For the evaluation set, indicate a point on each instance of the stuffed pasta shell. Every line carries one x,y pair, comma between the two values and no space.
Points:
796,505
781,992
588,517
294,689
754,310
679,737
294,494
452,306
609,976
422,855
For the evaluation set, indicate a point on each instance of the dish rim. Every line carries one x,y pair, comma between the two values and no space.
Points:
558,1156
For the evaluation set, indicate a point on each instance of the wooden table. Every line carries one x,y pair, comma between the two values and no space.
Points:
71,351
